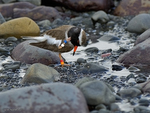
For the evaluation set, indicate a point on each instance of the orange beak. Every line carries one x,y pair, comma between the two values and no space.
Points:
75,48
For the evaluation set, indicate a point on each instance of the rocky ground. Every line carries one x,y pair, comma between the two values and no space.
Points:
107,85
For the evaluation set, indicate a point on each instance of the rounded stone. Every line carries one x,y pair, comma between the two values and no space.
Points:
18,27
29,54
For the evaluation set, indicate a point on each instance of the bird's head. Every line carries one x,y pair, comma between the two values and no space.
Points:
78,37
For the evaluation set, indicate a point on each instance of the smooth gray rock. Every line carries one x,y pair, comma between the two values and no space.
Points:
139,23
45,98
39,73
96,92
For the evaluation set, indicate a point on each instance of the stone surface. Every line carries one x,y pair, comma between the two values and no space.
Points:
145,87
84,5
38,13
100,16
19,27
7,9
138,55
35,2
93,68
45,98
139,23
96,92
145,35
39,73
2,19
24,52
132,7
129,93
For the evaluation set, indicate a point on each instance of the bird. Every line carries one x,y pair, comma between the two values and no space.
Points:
61,39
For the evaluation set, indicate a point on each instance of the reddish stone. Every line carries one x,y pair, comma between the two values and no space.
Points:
29,54
132,7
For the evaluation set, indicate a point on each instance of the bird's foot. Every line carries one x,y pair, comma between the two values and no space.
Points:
63,64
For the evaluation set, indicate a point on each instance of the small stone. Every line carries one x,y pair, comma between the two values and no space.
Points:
81,60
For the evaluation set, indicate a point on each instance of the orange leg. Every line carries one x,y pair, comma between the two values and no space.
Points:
62,62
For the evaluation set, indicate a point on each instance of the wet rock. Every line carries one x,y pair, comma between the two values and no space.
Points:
35,2
45,24
39,73
4,51
100,16
2,19
47,98
109,38
13,66
96,92
81,60
125,8
145,87
114,107
145,35
117,67
83,5
7,9
139,23
92,68
141,78
26,53
138,55
19,27
38,13
144,102
141,109
92,50
129,93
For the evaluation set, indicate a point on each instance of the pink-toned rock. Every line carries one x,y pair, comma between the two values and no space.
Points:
145,87
44,98
24,52
138,55
38,13
132,7
7,9
82,5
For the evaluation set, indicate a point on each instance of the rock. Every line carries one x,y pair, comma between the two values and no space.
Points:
35,2
19,27
26,53
39,73
13,66
144,87
140,78
83,5
8,1
117,67
109,38
2,19
96,92
145,35
139,23
45,98
144,102
129,93
125,8
45,24
92,68
81,60
38,13
7,9
138,55
141,109
92,50
100,16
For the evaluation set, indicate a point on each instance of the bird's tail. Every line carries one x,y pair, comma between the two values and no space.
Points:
38,38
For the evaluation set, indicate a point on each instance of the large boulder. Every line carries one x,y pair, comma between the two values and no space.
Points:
132,7
19,27
29,54
35,2
96,92
139,23
45,98
7,9
38,13
39,73
84,5
138,55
